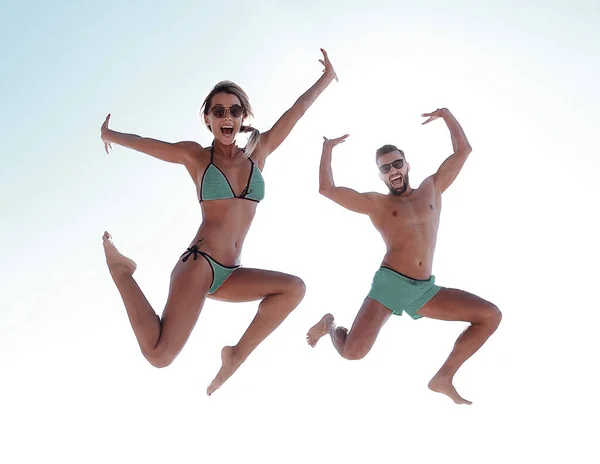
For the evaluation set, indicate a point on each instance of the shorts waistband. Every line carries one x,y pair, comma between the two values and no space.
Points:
408,278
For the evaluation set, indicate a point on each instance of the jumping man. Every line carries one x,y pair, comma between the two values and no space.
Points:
408,220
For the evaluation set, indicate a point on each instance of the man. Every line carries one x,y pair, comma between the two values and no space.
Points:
408,221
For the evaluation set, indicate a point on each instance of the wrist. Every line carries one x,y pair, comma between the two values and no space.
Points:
109,135
329,76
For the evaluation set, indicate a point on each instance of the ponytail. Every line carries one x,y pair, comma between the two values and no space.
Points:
253,140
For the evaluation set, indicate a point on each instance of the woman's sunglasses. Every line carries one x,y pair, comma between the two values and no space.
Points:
235,111
385,168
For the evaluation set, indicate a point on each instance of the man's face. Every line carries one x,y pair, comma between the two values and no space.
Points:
393,170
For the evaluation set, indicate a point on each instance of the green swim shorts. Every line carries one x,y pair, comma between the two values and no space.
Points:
399,293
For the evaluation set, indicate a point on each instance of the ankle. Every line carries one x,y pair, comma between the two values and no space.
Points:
119,273
445,373
329,321
236,354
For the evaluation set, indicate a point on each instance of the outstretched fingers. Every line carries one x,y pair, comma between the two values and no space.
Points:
327,66
330,143
107,144
432,116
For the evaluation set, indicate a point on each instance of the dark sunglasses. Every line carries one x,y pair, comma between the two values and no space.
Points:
218,111
385,168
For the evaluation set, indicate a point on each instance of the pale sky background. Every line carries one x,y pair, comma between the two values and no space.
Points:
519,228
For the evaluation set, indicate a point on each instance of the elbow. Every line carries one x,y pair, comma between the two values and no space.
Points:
324,190
463,151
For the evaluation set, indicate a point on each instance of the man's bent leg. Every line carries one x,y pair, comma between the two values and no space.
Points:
457,305
356,343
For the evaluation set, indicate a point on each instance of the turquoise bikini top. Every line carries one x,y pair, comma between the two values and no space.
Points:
215,186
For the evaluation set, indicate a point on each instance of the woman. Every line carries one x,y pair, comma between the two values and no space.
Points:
229,185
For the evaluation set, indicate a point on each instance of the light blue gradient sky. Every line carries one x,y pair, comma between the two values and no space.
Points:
518,227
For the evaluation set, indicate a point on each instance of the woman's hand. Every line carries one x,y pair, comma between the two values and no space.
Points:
329,71
104,131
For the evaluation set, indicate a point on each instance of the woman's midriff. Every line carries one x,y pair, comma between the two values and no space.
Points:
224,228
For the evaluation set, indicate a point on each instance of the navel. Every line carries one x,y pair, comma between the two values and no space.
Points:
394,214
431,207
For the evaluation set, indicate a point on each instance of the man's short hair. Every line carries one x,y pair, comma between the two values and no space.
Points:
387,149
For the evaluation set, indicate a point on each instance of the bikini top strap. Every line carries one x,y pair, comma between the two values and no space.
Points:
212,149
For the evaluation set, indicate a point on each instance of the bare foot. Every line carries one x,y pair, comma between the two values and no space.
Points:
319,330
115,260
231,363
441,384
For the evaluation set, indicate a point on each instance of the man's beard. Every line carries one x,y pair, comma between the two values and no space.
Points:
402,189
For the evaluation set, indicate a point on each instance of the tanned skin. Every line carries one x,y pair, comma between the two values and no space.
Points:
408,221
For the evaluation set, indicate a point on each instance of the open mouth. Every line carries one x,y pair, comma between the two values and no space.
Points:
396,181
227,130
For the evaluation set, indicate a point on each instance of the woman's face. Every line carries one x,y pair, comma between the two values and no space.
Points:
225,116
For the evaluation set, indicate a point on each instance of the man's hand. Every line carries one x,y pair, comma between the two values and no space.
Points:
328,144
439,113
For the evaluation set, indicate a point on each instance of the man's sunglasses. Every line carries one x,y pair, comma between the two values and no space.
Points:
385,168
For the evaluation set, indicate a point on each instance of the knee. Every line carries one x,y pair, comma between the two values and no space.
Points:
493,316
354,353
297,288
159,359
